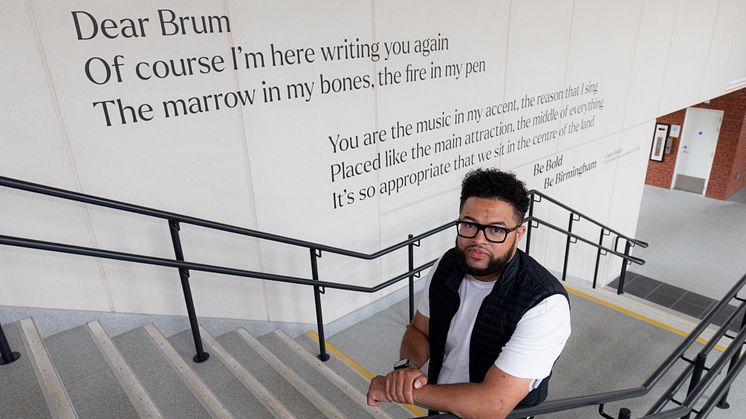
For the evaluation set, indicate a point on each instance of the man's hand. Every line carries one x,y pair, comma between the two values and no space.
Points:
400,384
377,391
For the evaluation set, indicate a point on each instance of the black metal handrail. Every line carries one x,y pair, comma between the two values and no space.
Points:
185,219
571,238
584,240
603,398
192,266
315,250
637,242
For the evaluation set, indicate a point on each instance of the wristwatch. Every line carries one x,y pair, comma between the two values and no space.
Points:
406,363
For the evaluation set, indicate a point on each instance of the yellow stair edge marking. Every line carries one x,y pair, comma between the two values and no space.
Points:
639,316
360,370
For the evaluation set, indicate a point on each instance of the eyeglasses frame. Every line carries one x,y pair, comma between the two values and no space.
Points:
482,227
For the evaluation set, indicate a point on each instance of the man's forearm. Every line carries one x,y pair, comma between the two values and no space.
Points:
494,397
415,346
465,400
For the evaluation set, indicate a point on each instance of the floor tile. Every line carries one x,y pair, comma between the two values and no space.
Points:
697,299
628,279
662,295
721,317
688,308
712,304
642,287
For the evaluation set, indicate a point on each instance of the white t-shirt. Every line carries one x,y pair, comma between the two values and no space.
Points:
533,348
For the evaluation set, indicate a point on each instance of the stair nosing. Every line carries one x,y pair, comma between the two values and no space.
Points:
245,377
132,387
204,395
409,408
298,383
55,394
344,386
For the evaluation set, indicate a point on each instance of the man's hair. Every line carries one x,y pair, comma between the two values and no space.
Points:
495,184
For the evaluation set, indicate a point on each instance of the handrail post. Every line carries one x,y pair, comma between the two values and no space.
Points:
8,356
625,413
530,223
410,249
699,367
317,291
201,355
723,403
567,245
598,255
623,274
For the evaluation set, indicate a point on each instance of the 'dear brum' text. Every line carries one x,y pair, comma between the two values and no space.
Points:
89,27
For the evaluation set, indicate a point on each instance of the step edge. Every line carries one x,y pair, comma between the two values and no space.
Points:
649,312
344,386
204,395
58,400
291,376
245,377
127,379
364,373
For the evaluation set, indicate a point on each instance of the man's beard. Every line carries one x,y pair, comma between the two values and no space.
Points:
495,266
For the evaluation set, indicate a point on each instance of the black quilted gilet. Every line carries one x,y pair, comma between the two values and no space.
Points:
523,284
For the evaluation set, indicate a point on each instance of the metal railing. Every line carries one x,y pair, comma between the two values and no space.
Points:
701,377
572,238
185,267
315,252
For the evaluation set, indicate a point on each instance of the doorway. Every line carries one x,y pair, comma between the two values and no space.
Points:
699,139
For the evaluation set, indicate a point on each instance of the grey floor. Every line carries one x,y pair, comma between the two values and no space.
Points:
696,243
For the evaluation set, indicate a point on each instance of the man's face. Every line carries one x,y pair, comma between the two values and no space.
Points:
484,259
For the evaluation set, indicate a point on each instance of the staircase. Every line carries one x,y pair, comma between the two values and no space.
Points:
84,373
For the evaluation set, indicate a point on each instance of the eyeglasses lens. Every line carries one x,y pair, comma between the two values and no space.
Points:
493,234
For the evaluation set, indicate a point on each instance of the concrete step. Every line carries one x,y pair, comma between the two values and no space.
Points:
142,374
645,310
355,375
347,398
23,398
140,399
55,394
235,387
281,387
292,361
183,368
158,376
92,386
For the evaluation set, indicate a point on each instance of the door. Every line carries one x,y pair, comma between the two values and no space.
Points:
697,149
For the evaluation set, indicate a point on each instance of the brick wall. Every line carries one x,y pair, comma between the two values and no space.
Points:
660,173
730,155
738,169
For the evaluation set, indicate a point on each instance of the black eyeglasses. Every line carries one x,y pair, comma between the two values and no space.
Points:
495,234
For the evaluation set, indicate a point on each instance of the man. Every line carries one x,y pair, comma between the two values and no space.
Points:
492,321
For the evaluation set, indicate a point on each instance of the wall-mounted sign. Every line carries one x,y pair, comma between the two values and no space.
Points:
675,131
659,142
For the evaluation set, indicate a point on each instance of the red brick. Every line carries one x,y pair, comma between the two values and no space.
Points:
730,154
